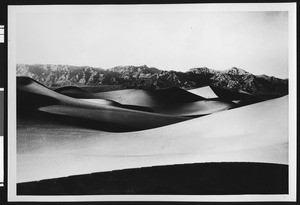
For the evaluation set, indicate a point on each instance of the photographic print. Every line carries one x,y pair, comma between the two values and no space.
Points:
187,102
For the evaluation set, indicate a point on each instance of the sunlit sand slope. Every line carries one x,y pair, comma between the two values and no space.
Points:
132,107
205,91
172,101
137,96
190,109
35,94
254,133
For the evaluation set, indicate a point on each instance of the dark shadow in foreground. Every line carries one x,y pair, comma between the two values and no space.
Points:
186,179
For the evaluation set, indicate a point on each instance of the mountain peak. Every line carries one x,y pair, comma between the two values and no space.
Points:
134,70
236,71
202,70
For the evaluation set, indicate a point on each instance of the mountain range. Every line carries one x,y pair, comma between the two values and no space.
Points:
151,78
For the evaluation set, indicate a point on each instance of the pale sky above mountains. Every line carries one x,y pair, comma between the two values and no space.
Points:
166,37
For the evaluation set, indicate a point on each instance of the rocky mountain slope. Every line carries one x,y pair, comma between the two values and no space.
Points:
152,78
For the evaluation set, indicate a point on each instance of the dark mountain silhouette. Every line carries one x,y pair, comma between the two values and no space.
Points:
150,78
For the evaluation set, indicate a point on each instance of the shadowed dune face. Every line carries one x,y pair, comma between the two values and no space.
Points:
163,107
254,133
73,91
173,101
70,89
235,95
188,179
137,97
25,96
132,107
106,111
240,98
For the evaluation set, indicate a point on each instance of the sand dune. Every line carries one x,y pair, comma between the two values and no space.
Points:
131,107
172,101
33,93
71,89
198,108
189,109
254,133
137,97
176,101
205,92
121,107
231,95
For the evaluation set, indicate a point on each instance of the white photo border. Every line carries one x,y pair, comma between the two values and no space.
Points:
290,7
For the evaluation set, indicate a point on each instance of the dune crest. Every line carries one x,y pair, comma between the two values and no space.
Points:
173,101
159,108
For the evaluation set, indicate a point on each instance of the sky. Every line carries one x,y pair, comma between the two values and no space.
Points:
168,38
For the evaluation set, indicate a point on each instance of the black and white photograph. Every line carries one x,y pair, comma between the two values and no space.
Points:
162,102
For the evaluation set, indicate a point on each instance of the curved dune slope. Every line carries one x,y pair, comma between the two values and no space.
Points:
190,109
205,91
74,92
227,94
172,101
199,108
106,111
70,89
132,107
137,97
254,133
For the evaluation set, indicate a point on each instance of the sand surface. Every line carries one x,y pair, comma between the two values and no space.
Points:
104,111
205,92
123,107
254,133
188,109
